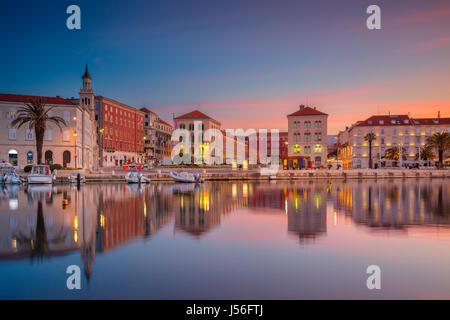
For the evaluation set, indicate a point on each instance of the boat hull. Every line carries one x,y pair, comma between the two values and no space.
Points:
40,179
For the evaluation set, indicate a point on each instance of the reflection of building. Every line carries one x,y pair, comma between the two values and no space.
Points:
399,131
199,210
305,207
307,139
75,142
385,205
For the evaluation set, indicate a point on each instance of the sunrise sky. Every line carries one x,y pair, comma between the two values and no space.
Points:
245,63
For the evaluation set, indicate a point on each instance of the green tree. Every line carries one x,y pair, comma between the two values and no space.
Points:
36,116
370,137
426,153
441,142
393,153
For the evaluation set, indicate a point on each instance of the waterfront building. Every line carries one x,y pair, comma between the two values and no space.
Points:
279,145
73,146
401,131
158,135
187,121
307,139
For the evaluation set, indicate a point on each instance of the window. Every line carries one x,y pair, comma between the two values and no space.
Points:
307,149
318,137
318,124
48,134
296,148
317,148
66,116
12,134
307,124
29,134
11,114
308,137
191,126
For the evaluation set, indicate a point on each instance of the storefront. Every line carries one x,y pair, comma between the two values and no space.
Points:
292,163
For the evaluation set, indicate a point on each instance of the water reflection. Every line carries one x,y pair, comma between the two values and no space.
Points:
39,222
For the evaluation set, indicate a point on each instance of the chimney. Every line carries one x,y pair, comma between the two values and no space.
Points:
302,106
314,108
439,114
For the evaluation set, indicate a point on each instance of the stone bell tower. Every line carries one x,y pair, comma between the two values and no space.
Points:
86,93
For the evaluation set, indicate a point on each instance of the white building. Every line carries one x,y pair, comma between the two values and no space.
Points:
74,145
392,131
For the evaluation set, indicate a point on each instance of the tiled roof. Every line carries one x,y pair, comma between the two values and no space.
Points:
307,111
425,121
195,115
26,98
145,110
400,120
163,122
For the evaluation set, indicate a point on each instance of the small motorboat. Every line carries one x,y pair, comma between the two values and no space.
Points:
11,178
41,174
186,177
136,177
73,178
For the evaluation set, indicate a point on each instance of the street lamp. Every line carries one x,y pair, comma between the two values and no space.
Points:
75,146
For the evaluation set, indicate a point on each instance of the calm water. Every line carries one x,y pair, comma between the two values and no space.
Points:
227,240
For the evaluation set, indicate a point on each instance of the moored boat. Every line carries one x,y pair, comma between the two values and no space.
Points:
186,177
11,178
41,174
136,177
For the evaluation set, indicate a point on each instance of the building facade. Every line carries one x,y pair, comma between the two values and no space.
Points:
72,146
187,121
407,134
307,139
121,134
158,135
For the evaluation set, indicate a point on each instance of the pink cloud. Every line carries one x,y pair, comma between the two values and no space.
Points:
425,45
416,17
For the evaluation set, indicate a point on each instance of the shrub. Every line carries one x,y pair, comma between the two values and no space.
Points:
55,166
27,168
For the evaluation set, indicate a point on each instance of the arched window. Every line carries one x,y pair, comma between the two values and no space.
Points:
66,158
12,155
30,157
48,157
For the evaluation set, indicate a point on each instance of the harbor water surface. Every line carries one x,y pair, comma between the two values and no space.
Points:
227,240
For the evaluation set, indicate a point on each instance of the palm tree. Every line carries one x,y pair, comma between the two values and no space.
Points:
441,142
35,116
426,153
370,137
394,153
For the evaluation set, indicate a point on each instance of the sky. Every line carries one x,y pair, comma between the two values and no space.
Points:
246,63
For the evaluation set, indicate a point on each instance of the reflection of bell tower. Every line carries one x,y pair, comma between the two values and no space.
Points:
86,93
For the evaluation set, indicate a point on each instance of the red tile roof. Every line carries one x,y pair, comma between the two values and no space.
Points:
145,110
307,111
25,98
422,121
163,122
400,120
195,115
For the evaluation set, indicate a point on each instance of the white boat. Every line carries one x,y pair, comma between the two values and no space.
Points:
41,174
73,178
186,177
11,178
136,177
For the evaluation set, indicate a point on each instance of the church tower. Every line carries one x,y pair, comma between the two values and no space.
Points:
86,93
